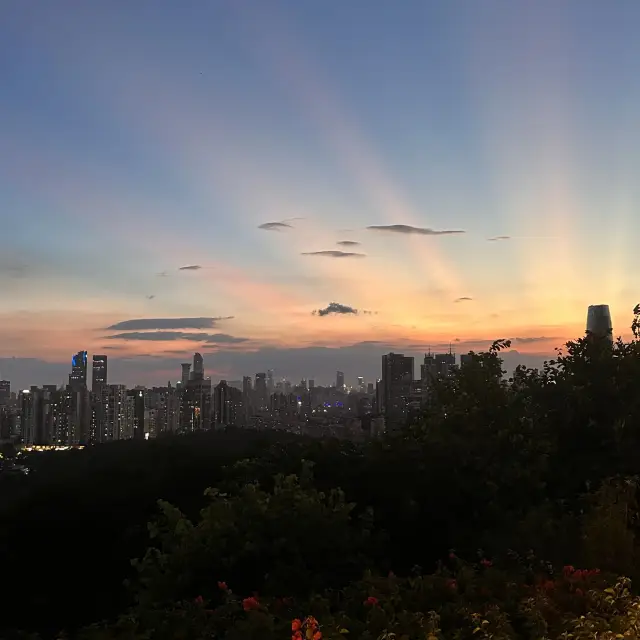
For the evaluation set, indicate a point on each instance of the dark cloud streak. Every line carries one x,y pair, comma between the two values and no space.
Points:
147,324
409,230
274,226
170,336
334,254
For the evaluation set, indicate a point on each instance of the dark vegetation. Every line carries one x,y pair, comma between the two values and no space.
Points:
542,466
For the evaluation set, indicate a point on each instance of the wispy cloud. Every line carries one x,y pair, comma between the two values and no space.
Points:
147,324
151,297
347,243
463,299
498,238
535,339
162,274
191,267
335,308
334,254
409,230
14,270
275,226
171,336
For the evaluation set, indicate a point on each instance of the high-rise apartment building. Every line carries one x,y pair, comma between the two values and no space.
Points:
186,368
116,413
78,375
5,392
195,408
98,373
465,359
397,380
227,404
198,367
261,393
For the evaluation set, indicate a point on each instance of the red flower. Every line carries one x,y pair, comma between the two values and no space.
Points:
452,555
296,624
549,585
452,584
371,601
250,603
223,586
317,635
579,592
486,563
199,600
568,569
297,635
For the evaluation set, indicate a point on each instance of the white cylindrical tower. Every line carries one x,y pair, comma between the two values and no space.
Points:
599,322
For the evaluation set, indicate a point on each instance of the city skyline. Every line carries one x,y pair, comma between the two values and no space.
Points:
275,185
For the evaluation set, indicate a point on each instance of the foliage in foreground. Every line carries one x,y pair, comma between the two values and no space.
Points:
460,601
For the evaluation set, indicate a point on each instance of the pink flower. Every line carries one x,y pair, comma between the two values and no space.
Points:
452,584
371,601
568,569
452,555
223,586
486,563
251,603
199,600
579,592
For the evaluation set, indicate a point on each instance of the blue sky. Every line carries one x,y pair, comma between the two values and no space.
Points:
142,137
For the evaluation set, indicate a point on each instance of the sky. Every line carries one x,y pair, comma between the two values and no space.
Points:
304,186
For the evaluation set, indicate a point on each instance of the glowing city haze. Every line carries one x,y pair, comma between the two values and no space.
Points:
294,154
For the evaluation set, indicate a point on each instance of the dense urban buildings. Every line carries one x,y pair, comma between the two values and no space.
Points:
73,415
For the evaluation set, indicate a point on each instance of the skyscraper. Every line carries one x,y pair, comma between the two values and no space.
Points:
397,379
599,323
261,392
5,392
198,367
186,368
339,380
98,373
78,375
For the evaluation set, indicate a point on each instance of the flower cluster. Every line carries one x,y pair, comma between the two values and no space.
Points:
250,604
307,630
571,573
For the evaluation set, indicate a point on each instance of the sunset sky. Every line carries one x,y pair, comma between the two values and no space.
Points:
138,138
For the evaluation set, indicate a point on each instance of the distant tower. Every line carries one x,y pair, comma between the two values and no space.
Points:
186,368
339,380
98,373
198,367
599,322
78,376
